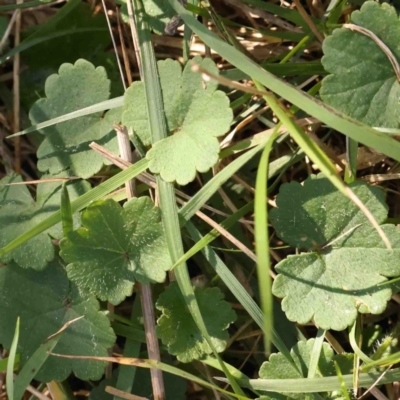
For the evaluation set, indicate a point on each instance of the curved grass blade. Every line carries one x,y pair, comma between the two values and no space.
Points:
262,242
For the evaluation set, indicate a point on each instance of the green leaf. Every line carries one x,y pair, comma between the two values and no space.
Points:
278,367
67,145
115,247
179,332
56,302
340,277
20,213
195,114
363,83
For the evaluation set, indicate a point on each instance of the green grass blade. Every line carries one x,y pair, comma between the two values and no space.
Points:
11,361
262,242
333,118
66,211
315,385
80,203
286,13
342,384
350,173
129,332
354,345
383,362
104,105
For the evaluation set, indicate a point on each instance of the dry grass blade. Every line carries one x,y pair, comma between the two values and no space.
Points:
64,327
308,20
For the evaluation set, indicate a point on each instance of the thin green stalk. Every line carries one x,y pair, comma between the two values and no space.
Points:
295,49
341,380
262,242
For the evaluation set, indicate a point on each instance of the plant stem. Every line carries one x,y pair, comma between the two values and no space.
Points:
144,290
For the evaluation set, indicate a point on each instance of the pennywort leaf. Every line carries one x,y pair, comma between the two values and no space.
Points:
115,247
66,145
196,114
339,276
180,333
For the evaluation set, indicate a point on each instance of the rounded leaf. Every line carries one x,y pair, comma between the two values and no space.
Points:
196,114
115,247
66,145
341,278
179,332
